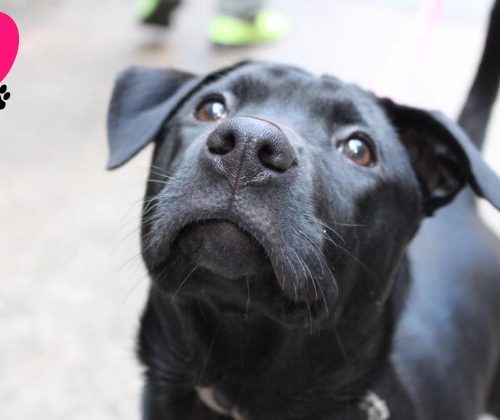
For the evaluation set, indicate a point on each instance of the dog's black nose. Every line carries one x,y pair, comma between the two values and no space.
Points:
249,148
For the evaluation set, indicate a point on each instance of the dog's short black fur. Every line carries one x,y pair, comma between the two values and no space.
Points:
280,232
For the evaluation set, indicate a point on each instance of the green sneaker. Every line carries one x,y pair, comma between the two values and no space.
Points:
233,32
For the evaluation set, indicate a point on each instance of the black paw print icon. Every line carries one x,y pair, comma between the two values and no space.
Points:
4,95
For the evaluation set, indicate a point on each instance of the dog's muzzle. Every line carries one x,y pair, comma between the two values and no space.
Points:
245,151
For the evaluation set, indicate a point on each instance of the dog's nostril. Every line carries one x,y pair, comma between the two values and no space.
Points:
267,158
272,157
221,145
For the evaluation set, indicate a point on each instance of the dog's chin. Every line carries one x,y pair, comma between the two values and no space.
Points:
223,249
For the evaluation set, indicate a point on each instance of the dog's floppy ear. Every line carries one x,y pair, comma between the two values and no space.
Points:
141,102
442,156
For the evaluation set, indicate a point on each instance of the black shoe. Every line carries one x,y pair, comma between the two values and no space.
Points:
157,12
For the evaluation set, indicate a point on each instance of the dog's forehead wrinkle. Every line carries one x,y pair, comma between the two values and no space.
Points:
361,105
341,112
255,87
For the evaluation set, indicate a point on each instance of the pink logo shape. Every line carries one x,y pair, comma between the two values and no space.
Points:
9,44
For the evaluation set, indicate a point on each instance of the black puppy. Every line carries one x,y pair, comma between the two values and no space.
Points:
278,217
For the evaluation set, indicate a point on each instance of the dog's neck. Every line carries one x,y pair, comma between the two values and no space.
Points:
258,366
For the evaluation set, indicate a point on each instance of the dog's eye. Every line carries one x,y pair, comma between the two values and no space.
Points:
211,110
359,150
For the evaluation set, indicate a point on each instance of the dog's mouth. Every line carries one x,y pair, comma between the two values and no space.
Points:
224,249
233,267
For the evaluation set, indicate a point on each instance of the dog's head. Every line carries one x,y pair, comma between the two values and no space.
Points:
278,192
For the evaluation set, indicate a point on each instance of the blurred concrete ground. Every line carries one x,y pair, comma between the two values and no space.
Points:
72,280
